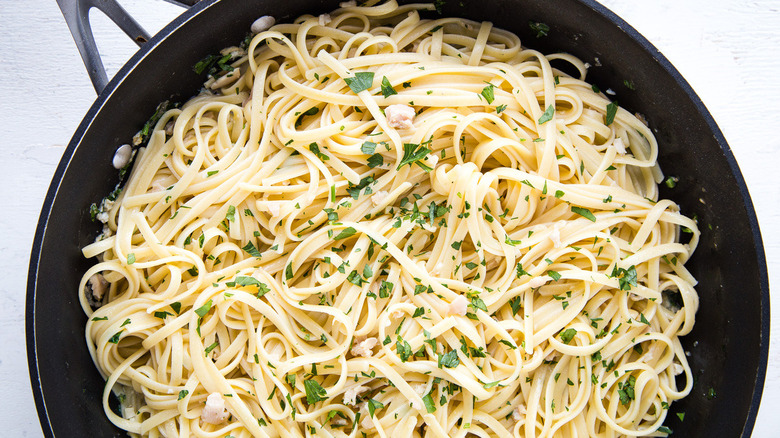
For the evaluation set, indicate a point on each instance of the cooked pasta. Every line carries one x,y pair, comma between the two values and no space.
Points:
372,223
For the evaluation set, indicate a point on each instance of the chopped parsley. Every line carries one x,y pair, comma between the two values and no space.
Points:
413,153
245,281
515,304
387,88
385,288
375,160
403,349
204,309
449,360
314,392
547,116
626,277
477,303
540,28
611,112
251,250
373,406
211,62
211,347
567,335
439,4
309,112
368,147
488,94
346,232
361,82
626,390
115,339
429,405
508,344
584,212
354,190
315,149
521,271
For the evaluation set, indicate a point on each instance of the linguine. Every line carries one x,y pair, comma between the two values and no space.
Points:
370,223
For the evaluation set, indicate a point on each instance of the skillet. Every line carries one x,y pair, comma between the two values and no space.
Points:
728,346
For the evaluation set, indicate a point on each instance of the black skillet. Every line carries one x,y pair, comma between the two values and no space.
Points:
728,347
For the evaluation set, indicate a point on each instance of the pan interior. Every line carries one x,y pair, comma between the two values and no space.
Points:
728,347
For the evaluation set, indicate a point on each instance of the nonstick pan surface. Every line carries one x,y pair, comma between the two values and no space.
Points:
728,346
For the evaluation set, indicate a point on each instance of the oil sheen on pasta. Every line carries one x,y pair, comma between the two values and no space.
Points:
492,263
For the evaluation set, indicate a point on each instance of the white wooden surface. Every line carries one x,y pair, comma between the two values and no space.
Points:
729,50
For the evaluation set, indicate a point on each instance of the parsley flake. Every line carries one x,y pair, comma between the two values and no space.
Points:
611,112
368,147
315,149
488,94
314,392
413,153
547,116
346,232
567,335
251,250
540,28
204,309
387,88
373,406
361,82
584,212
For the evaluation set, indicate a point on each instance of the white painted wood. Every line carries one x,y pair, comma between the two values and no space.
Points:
729,50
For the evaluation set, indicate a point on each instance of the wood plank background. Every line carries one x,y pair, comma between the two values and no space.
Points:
729,51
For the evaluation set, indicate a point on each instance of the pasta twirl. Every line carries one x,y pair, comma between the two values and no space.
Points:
371,223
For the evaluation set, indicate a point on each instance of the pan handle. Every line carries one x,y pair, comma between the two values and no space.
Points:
76,13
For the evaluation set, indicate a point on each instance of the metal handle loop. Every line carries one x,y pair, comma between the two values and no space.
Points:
76,13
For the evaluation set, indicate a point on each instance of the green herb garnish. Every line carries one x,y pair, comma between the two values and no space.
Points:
612,108
488,94
413,153
361,82
346,232
540,28
584,212
547,116
314,392
315,149
387,88
567,335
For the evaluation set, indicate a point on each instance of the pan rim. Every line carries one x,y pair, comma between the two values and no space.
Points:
158,39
